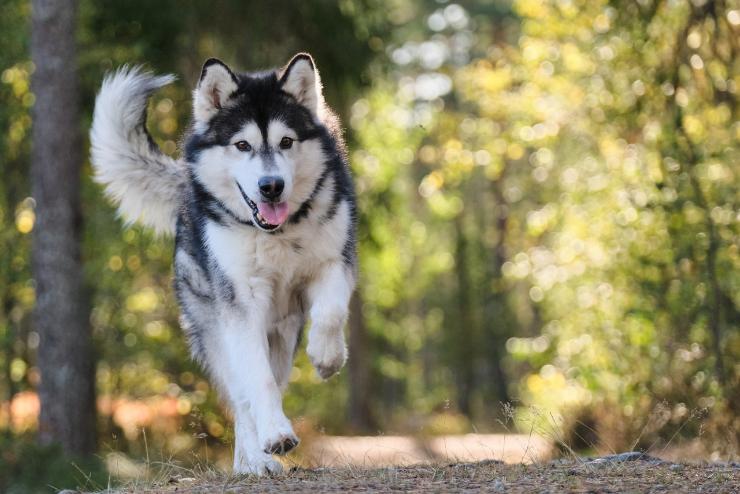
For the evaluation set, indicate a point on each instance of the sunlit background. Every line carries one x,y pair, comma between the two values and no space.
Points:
548,236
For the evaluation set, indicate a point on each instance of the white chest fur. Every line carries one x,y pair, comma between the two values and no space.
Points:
281,263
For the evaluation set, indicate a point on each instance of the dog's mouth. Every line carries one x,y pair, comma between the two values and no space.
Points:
268,216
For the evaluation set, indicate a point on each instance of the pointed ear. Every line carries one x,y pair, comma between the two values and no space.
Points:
217,84
301,80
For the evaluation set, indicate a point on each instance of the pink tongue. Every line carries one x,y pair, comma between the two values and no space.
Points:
274,214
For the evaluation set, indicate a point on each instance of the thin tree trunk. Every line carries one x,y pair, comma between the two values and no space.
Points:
360,373
496,312
65,351
464,332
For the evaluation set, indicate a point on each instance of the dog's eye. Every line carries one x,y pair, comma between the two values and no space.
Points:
243,146
286,143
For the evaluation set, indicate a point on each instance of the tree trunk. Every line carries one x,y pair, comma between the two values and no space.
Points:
463,344
360,414
497,315
65,349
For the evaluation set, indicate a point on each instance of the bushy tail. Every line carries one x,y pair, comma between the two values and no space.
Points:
144,182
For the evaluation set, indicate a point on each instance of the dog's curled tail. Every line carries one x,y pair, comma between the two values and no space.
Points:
144,182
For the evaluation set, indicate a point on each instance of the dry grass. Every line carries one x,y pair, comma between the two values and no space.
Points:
443,464
571,475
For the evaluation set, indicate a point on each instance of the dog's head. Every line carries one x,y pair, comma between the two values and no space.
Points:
256,143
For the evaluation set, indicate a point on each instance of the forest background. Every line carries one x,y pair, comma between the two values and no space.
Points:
548,238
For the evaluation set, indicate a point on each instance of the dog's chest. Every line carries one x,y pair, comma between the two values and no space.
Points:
258,264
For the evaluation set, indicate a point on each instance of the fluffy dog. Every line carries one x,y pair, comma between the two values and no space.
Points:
263,211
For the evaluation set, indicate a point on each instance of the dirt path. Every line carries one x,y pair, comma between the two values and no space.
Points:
379,451
578,476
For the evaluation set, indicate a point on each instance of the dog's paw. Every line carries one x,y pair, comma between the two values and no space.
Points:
327,352
258,464
277,437
282,445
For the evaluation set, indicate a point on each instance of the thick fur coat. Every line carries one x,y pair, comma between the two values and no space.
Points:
263,211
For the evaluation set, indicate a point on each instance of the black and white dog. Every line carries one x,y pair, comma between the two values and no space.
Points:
262,207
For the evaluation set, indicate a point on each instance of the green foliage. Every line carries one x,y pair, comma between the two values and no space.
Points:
581,179
27,468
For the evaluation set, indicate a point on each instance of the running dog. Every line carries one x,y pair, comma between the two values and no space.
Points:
263,211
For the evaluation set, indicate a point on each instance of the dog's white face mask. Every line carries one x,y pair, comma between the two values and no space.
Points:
260,155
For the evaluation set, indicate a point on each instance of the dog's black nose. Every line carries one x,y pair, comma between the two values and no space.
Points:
271,187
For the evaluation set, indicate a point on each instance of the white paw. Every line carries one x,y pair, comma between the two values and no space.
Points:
327,351
276,436
257,463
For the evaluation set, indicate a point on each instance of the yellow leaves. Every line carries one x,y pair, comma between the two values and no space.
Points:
719,115
575,60
115,263
697,63
694,39
164,106
536,294
602,23
418,233
144,300
694,127
533,50
549,378
427,154
18,129
445,205
534,9
456,162
525,346
17,77
640,332
493,170
718,172
514,151
133,262
567,8
483,80
692,213
431,184
25,216
451,146
168,125
391,367
535,384
157,330
17,369
24,220
26,295
733,17
215,428
541,220
655,171
183,405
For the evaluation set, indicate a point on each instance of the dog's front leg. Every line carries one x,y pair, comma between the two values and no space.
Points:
329,296
248,454
261,426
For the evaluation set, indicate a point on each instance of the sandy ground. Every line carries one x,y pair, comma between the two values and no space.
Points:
331,451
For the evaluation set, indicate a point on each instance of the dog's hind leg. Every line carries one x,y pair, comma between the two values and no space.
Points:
283,342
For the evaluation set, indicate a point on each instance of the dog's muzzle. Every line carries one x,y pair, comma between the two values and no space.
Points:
268,216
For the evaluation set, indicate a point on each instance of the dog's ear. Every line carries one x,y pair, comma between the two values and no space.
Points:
216,85
301,80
